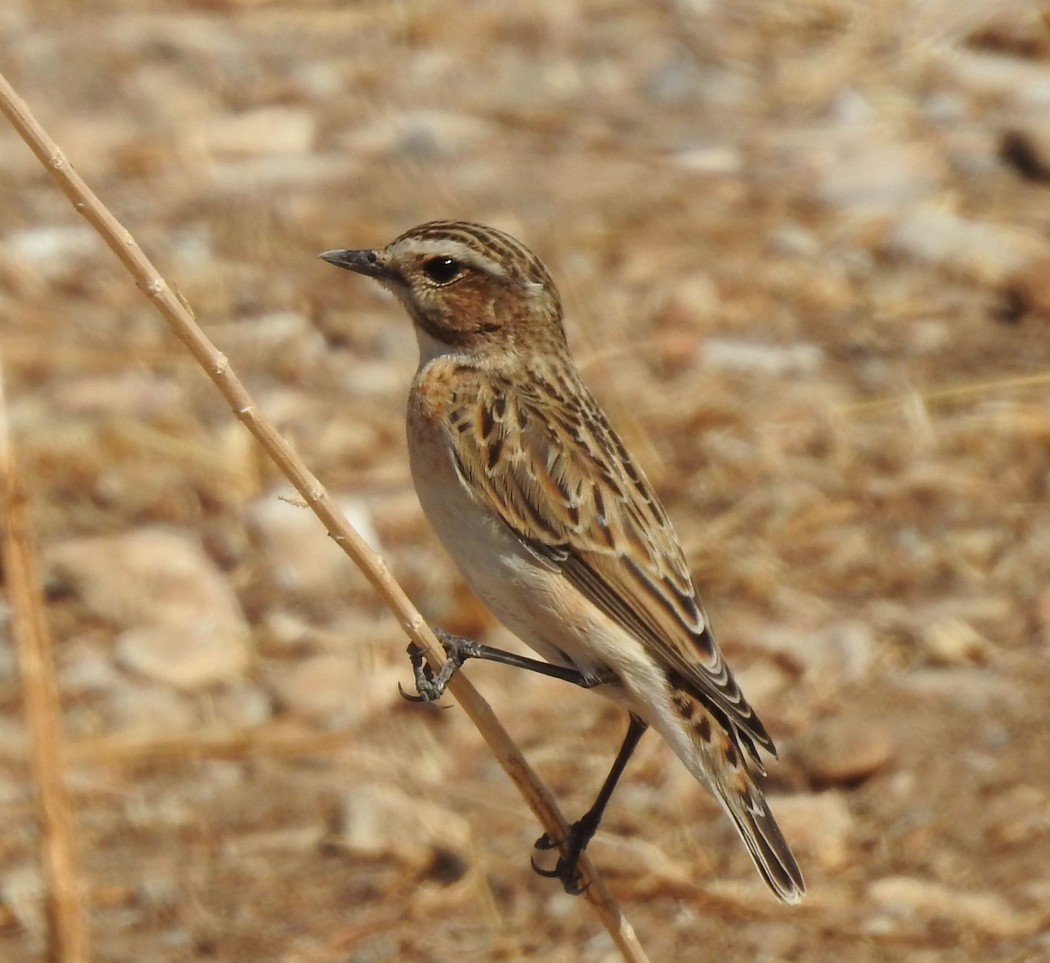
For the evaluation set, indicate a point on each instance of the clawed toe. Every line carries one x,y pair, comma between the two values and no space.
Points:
566,870
567,873
432,687
545,843
428,688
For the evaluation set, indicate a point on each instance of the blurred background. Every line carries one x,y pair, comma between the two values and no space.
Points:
804,252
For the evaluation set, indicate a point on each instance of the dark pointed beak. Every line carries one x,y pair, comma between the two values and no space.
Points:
363,262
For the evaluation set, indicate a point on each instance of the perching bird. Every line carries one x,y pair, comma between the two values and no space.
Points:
554,525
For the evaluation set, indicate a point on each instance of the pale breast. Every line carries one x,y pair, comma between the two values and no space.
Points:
500,570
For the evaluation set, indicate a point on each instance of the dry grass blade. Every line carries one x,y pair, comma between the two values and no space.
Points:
955,393
216,365
67,935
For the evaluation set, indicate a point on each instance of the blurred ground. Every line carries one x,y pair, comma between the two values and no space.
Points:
804,250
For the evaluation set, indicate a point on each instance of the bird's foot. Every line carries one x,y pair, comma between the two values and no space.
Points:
431,687
567,869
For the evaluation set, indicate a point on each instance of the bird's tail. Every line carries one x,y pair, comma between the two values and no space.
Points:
722,757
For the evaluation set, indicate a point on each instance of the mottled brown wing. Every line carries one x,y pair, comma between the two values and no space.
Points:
546,460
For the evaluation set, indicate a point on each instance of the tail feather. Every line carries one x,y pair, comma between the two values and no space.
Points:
765,843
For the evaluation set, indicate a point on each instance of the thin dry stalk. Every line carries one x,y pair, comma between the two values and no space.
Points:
67,932
961,392
216,365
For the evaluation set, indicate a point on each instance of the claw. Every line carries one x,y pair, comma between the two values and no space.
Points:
540,871
407,696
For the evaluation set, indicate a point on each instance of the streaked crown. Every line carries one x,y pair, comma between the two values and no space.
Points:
467,286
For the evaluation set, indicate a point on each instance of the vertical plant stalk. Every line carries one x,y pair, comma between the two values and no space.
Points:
67,937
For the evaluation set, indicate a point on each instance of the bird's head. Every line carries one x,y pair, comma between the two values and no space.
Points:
465,286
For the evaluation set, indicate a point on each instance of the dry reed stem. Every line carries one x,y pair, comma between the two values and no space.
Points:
179,317
67,937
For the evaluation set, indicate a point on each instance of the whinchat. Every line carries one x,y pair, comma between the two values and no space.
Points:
553,524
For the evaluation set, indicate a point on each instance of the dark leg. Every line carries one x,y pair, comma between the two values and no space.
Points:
458,650
582,830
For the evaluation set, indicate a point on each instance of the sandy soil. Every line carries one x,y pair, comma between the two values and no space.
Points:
804,251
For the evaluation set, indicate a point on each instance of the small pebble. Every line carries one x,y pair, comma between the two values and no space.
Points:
841,751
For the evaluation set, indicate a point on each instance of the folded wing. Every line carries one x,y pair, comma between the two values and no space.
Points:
547,462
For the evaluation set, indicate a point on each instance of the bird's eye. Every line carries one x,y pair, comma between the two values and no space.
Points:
442,270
